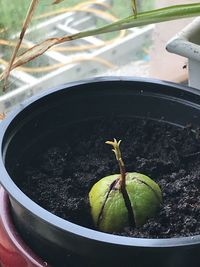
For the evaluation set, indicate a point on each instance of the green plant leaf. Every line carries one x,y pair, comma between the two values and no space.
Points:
145,18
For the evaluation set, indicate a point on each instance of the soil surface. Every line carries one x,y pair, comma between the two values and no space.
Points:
60,177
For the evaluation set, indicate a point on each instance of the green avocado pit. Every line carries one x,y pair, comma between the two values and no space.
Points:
123,200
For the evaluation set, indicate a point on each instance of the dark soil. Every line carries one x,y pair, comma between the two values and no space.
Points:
63,174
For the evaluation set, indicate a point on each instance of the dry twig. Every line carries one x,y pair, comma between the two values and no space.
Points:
57,2
27,21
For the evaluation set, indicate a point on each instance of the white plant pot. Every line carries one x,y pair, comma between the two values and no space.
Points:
187,44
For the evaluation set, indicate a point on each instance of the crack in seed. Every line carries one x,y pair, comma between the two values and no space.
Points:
155,193
104,203
131,217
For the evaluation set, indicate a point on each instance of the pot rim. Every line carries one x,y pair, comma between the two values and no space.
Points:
63,224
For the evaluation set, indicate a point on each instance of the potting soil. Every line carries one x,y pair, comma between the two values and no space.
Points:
59,178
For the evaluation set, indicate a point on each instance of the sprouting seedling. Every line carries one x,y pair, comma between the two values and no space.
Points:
124,199
118,155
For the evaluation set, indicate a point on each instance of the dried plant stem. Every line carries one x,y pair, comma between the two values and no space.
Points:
27,21
134,7
56,2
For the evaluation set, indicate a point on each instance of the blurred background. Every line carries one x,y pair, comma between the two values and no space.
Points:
135,52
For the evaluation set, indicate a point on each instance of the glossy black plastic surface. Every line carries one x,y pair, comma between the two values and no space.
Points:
47,114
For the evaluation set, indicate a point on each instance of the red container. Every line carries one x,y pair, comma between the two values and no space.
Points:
13,250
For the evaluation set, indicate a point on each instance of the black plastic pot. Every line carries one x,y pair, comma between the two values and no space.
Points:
46,115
